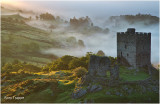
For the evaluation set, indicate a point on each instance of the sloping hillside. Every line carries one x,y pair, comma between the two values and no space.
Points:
23,42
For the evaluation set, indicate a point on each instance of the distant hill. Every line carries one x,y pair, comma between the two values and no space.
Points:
139,19
5,10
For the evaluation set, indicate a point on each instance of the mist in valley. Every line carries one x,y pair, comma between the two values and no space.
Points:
93,37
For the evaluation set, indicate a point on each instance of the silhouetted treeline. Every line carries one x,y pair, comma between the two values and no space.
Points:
146,18
83,21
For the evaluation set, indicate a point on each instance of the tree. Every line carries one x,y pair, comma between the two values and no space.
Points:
37,17
81,43
76,62
66,59
31,68
80,71
100,53
45,69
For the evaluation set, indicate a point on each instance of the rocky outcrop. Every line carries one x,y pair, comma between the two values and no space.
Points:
94,88
79,93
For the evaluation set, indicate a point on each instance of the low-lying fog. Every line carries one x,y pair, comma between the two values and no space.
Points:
99,12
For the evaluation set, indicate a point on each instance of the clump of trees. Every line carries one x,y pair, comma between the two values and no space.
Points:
72,42
68,62
83,21
145,19
47,16
17,66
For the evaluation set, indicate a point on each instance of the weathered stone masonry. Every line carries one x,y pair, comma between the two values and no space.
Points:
98,66
134,48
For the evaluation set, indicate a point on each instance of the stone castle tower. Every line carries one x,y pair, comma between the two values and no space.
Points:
134,48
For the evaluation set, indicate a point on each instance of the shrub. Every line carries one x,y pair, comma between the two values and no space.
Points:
74,63
80,71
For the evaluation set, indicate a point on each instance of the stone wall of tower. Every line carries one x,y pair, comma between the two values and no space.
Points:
134,47
143,46
126,47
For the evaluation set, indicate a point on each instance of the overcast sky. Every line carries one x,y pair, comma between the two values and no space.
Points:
95,8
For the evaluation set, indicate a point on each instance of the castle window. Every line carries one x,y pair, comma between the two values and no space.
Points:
125,46
127,54
121,54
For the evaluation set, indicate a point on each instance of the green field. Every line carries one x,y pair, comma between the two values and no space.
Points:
132,74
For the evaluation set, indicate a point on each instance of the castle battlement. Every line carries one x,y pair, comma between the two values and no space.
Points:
138,35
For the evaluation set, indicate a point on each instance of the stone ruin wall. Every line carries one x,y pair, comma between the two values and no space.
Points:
97,71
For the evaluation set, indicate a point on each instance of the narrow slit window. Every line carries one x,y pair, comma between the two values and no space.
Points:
125,46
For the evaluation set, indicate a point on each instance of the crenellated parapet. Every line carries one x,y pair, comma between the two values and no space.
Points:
140,35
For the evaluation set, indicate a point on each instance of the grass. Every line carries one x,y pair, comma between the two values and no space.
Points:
101,97
66,87
15,34
65,97
44,96
131,74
